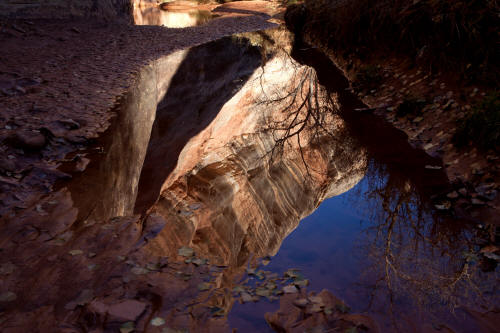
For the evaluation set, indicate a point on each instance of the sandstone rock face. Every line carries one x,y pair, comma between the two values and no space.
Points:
34,9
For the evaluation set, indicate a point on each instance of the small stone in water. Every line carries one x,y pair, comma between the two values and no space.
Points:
290,289
158,321
197,262
262,292
301,302
246,297
75,252
186,251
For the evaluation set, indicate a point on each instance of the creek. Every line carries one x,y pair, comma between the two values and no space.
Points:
260,159
249,155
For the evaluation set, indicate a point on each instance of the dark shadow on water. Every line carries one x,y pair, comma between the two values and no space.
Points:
128,164
387,145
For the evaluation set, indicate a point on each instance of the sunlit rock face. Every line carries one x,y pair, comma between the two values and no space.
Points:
176,14
227,199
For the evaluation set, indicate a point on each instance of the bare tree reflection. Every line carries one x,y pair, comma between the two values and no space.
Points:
419,258
304,113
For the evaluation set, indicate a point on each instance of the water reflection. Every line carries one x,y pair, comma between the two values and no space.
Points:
418,262
247,196
240,151
174,14
279,147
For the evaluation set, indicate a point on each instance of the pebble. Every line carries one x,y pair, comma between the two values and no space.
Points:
428,146
125,310
301,302
444,205
477,202
290,289
246,297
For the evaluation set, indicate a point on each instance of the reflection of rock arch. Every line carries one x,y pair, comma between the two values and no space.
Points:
247,203
227,202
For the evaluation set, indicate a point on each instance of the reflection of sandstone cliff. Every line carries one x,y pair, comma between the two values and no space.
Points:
226,200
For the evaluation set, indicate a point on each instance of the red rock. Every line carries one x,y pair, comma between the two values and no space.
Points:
126,310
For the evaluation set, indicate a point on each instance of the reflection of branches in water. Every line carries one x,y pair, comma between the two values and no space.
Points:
302,108
417,255
302,115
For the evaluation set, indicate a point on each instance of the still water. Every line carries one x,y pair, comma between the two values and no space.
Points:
173,14
251,171
287,175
